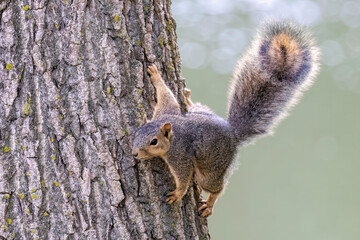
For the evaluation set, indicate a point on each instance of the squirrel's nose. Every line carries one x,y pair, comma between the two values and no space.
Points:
134,152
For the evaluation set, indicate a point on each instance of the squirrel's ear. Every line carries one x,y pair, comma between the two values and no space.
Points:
166,130
144,120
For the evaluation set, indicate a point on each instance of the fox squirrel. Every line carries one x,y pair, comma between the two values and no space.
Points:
277,68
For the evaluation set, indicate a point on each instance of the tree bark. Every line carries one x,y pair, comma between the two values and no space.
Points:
74,88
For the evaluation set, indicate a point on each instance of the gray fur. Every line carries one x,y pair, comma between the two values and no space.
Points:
264,87
200,139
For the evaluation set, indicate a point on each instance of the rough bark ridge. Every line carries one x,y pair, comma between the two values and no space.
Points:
73,89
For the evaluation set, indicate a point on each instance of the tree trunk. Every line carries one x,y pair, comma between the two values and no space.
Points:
74,88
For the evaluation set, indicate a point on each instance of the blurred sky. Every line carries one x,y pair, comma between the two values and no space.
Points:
303,182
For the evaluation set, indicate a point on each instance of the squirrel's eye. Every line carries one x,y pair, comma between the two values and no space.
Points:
153,142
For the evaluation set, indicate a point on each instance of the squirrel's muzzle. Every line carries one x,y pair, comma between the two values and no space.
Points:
134,152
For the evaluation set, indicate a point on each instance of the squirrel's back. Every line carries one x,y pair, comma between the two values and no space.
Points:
199,126
279,65
201,132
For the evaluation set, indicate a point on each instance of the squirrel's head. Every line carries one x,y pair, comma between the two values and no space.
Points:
152,140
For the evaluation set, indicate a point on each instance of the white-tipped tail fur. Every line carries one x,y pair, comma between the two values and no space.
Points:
278,67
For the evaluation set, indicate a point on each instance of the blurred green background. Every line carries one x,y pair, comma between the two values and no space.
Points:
303,182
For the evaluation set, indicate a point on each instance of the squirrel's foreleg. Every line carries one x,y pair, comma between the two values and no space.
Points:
166,101
182,179
187,97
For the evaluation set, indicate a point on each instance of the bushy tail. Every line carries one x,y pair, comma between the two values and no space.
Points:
274,72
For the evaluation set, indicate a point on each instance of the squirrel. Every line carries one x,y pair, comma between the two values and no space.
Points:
280,64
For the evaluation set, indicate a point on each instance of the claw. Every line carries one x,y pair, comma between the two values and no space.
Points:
149,70
174,196
171,199
152,70
207,210
170,193
202,207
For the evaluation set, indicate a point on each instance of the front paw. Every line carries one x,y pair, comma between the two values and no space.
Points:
206,209
174,196
154,74
187,92
152,70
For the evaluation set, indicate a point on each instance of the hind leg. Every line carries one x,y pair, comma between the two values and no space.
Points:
212,184
208,206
